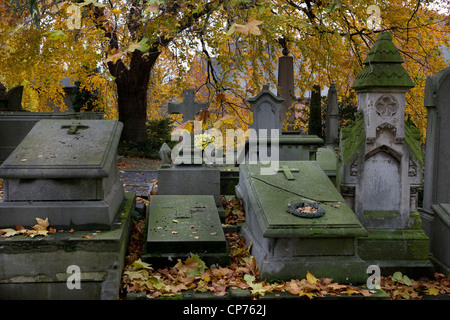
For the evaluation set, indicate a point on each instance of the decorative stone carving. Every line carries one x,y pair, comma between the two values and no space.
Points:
386,106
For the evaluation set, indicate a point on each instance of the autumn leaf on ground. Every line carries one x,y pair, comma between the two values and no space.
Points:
311,278
42,224
6,233
139,264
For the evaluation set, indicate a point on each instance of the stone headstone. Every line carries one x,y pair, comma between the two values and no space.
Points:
435,212
286,88
331,121
11,100
315,112
286,246
64,170
381,163
266,110
266,107
189,107
180,225
14,126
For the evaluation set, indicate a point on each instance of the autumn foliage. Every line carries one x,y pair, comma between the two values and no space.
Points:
226,50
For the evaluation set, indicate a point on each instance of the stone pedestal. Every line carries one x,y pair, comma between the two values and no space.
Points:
37,268
64,170
286,246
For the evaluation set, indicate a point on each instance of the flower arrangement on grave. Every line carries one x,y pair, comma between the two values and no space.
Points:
212,132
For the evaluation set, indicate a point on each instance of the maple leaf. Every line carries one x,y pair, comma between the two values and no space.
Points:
139,264
8,232
41,224
311,278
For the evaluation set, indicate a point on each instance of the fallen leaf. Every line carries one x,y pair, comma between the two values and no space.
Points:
311,278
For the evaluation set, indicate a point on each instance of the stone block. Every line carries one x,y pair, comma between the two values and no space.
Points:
179,225
64,170
285,246
190,180
36,268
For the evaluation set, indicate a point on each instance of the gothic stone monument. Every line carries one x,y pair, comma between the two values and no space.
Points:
381,163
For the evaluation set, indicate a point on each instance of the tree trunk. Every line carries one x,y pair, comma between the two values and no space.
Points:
132,84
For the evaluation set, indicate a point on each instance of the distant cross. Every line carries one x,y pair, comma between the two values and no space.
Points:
73,129
288,172
189,108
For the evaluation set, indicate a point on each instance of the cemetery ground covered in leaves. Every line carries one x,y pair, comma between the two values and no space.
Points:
193,276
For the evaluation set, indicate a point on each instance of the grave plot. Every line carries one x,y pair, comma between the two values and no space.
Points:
179,225
285,245
64,170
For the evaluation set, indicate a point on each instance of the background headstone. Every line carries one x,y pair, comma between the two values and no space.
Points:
315,112
189,107
435,212
286,88
331,122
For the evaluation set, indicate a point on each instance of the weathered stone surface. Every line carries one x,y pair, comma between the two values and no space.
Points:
190,180
14,126
36,268
284,245
179,225
64,170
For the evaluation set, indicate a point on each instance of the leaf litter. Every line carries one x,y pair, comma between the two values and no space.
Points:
193,274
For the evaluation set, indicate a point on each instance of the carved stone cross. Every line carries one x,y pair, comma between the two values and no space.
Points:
73,129
189,107
288,172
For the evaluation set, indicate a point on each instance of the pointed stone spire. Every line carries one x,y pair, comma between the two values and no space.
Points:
383,67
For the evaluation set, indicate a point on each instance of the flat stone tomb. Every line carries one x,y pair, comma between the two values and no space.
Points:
286,246
181,224
64,170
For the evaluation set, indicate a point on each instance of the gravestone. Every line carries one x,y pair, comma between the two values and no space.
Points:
315,112
266,107
331,122
179,225
286,88
189,107
287,246
11,100
14,126
381,164
64,170
435,214
266,110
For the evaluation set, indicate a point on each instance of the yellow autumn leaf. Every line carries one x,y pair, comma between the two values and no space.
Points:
311,278
116,11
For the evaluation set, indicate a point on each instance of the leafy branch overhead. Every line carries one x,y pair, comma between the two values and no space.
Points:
151,50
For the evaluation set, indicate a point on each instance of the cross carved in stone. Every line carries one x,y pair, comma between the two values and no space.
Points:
288,172
189,107
73,129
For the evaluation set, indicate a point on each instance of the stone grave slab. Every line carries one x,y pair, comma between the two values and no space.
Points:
179,225
64,170
286,246
37,268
